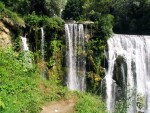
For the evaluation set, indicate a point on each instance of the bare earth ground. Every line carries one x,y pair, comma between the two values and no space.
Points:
63,106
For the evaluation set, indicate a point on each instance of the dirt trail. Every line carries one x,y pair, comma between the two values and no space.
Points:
63,106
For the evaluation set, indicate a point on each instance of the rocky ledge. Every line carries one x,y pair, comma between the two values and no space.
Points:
5,37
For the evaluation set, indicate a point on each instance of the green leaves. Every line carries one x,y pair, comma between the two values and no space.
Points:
2,105
90,104
54,22
73,10
10,17
131,16
106,23
20,6
32,19
14,81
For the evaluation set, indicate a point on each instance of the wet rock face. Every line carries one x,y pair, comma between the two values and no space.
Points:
5,38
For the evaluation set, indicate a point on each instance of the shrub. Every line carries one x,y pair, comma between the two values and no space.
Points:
32,19
90,104
10,17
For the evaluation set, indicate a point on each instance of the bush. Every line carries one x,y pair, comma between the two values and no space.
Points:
21,87
73,10
53,23
90,104
20,6
10,17
32,19
16,82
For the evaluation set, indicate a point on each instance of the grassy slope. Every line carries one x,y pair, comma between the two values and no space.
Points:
90,104
10,17
23,90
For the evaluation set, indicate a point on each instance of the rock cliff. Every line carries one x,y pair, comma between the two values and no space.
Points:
5,36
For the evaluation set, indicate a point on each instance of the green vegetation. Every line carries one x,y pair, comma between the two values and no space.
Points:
73,10
22,89
131,16
47,7
10,17
19,6
97,11
90,104
121,106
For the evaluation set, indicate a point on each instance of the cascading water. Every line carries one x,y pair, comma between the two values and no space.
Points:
27,55
42,52
42,43
75,56
135,52
61,10
24,43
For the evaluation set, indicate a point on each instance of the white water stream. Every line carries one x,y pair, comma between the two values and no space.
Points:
24,43
135,50
75,56
42,43
43,52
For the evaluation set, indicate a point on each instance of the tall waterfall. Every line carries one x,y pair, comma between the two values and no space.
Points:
75,56
44,72
131,54
42,43
24,43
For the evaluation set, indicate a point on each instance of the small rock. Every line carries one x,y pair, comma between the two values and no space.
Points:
56,110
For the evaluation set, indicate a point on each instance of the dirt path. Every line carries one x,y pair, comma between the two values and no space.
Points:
63,106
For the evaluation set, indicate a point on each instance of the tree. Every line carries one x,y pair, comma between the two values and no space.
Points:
47,7
20,6
131,16
73,10
38,7
93,9
55,6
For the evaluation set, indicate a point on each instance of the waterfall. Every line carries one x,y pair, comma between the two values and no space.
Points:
27,62
61,10
134,51
42,43
75,56
44,72
24,43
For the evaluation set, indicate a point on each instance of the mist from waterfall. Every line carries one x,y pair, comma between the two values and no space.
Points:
135,52
75,56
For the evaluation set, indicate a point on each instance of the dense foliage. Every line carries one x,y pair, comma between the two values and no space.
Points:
73,10
132,16
21,88
41,7
20,6
17,83
10,17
